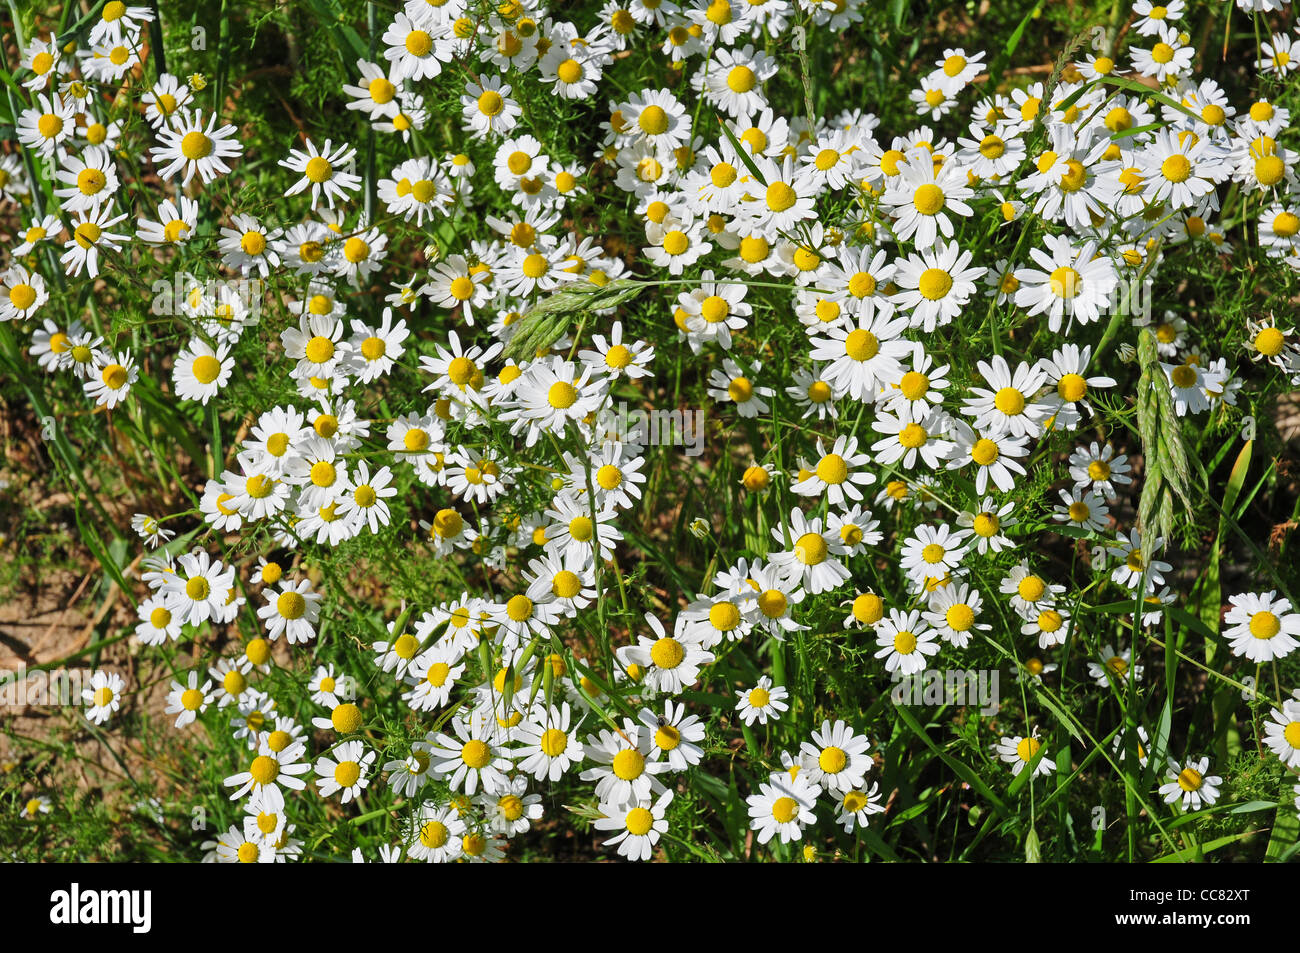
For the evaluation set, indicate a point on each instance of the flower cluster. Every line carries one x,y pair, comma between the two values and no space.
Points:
922,336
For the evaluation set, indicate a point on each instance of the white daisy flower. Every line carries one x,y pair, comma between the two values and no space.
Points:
1190,784
1018,751
1261,627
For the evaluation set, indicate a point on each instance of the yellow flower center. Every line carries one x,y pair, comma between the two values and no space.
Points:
992,147
1031,588
291,605
1265,625
1074,177
741,79
780,196
618,357
913,436
319,349
346,718
1268,342
653,121
714,308
740,389
562,395
566,584
960,617
914,385
1184,375
826,159
675,242
628,764
862,285
724,616
22,296
476,754
667,653
868,608
928,199
1066,282
323,473
259,486
554,742
639,821
1176,168
197,588
191,699
90,181
87,234
832,469
448,524
1010,401
264,769
49,125
318,169
418,43
258,650
832,760
1189,779
534,265
810,549
1072,387
195,145
784,809
984,451
206,369
861,345
772,603
347,773
934,283
519,608
754,249
569,72
437,674
434,835
355,250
